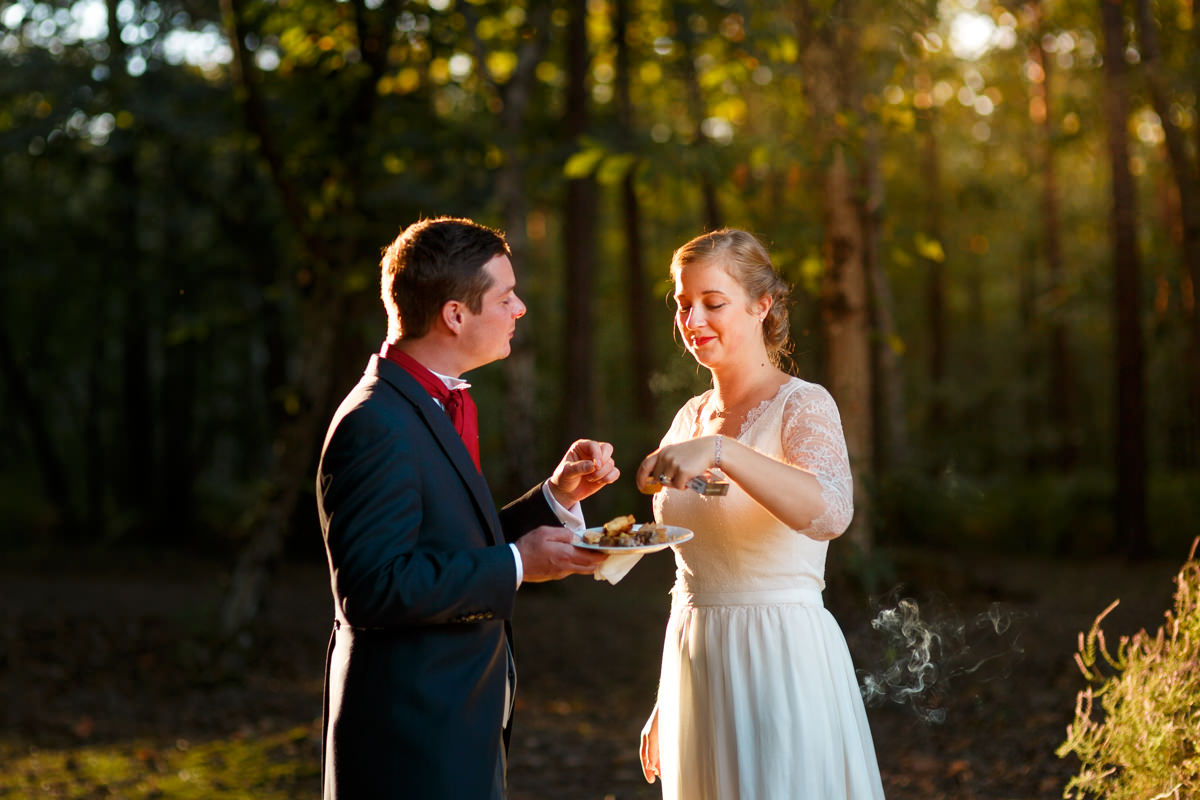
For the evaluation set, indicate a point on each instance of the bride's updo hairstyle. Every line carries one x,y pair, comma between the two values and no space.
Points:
747,261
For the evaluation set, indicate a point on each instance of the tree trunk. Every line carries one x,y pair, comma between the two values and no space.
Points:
176,496
935,273
1060,397
579,241
521,446
891,430
828,54
32,413
139,475
637,293
322,309
846,334
521,449
713,219
291,464
95,459
1185,170
1130,392
1027,341
134,480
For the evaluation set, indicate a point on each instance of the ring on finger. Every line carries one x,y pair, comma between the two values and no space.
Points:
662,478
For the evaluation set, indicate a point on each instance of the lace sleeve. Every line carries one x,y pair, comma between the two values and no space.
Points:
813,440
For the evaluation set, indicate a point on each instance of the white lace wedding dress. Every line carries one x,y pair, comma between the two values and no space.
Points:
758,699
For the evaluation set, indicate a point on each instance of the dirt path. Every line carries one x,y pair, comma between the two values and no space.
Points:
105,656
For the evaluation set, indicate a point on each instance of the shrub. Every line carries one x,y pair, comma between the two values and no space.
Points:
1147,745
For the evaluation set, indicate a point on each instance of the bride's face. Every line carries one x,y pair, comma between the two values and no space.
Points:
717,320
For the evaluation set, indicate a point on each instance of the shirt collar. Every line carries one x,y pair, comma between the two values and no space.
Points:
451,382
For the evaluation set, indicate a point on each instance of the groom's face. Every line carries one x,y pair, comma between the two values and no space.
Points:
487,336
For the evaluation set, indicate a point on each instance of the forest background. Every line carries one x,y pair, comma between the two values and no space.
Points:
989,213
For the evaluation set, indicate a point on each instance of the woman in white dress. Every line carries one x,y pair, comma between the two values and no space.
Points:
757,697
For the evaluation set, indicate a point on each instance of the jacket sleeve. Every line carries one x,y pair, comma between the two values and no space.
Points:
527,512
384,572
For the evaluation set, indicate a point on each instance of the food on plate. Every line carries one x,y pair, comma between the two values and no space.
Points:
619,525
624,531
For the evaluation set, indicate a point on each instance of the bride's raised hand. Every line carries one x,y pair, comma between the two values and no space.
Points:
649,748
675,464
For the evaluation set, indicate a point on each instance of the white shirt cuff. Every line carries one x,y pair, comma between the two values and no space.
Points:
520,565
571,518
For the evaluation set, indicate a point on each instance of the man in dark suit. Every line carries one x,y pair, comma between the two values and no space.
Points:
424,571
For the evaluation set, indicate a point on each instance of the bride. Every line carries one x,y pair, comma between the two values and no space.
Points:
757,697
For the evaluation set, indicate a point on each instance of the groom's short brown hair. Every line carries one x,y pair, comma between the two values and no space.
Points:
432,262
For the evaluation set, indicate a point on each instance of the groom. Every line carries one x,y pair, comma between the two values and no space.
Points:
419,678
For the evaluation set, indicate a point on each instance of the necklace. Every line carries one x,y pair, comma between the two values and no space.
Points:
741,409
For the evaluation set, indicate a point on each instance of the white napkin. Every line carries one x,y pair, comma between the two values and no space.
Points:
616,566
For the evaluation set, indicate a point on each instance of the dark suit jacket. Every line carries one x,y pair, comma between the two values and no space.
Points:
423,586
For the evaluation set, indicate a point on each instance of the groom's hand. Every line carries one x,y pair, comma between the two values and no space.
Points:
547,554
586,468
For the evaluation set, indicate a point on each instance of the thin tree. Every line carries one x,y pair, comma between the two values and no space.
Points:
828,49
1185,169
1130,392
891,429
32,414
579,237
134,477
1059,386
521,467
934,254
637,293
713,218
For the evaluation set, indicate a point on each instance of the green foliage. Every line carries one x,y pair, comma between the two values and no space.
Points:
1146,744
275,765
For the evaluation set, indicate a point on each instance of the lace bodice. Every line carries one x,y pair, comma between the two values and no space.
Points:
739,544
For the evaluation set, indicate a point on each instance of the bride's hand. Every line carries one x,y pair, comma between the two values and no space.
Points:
676,464
649,748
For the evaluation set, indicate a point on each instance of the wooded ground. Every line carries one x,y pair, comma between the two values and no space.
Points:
116,663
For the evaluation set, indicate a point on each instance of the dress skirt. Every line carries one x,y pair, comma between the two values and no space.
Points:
758,700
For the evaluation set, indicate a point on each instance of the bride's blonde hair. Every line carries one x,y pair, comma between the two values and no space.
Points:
747,261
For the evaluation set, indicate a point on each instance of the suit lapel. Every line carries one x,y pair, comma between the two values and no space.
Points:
447,437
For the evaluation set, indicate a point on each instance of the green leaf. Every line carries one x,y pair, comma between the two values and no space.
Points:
614,168
583,163
811,269
929,248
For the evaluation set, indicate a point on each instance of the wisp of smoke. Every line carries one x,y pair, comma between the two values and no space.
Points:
923,655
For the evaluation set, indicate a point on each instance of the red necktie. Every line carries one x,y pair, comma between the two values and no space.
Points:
457,402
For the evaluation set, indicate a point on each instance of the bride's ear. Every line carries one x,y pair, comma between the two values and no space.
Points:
763,307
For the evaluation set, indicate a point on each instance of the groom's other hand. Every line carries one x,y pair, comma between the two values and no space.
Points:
547,554
586,468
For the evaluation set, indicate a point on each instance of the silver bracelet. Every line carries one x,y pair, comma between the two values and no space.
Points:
717,451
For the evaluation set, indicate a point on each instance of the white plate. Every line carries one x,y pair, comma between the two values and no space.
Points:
675,535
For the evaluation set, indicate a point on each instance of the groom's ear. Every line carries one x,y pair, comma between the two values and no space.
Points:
452,315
